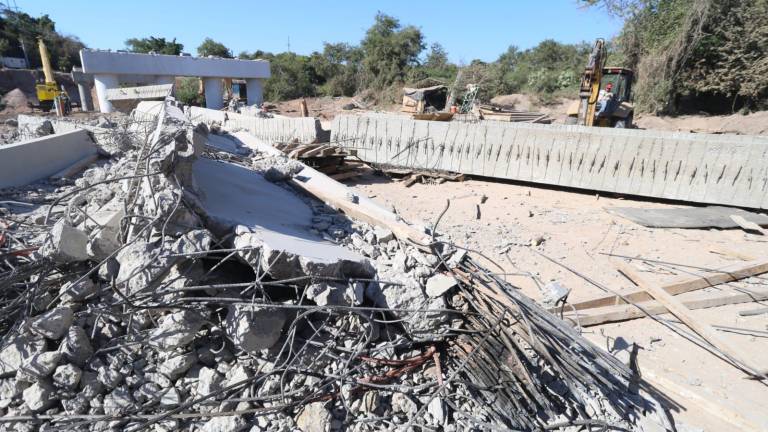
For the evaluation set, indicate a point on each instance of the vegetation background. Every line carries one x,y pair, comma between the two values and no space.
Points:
689,56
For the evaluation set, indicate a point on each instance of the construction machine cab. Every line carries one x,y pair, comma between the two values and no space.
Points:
605,94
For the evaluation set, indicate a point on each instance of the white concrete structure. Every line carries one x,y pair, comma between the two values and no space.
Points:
713,169
28,161
109,69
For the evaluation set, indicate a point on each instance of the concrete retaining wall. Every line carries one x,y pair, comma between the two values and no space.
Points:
717,169
279,129
28,161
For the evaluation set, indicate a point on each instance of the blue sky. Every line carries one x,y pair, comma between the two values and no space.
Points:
467,29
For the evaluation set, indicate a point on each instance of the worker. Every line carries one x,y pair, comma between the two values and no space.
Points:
606,101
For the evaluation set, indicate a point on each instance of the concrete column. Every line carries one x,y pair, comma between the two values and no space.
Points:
255,91
86,103
165,79
214,93
104,82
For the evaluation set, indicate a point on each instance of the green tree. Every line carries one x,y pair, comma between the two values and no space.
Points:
210,47
153,44
390,50
437,58
18,27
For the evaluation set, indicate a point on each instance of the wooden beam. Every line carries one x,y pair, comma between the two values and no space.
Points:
685,284
625,312
678,309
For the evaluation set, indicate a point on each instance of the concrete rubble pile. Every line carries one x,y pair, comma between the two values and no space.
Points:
177,286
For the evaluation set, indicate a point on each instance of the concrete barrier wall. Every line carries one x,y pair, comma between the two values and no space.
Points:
280,129
28,161
717,169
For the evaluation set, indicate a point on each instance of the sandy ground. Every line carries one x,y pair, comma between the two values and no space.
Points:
577,231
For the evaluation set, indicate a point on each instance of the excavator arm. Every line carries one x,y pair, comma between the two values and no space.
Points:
589,90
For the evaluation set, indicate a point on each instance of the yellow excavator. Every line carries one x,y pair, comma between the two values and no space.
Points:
605,94
49,94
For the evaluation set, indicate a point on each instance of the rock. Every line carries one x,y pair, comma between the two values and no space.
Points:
254,328
408,296
170,398
18,349
45,129
111,378
324,294
225,424
142,267
65,244
236,375
435,408
11,388
177,365
404,404
383,235
77,405
67,376
554,292
76,347
176,330
90,386
439,284
53,324
38,366
77,292
314,418
12,122
209,381
118,402
39,396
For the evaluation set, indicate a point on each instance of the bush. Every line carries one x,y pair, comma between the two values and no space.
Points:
188,91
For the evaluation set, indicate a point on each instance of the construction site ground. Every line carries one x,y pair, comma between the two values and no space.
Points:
573,228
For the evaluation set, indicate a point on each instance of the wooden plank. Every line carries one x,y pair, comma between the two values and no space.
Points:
685,284
747,225
678,309
316,151
625,312
301,150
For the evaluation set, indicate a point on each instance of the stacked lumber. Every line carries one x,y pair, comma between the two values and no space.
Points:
500,113
326,158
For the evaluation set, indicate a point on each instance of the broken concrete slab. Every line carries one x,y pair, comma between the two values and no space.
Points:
687,217
278,234
36,159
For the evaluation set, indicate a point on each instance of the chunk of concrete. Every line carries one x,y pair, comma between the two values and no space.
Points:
38,366
225,424
53,324
209,381
439,284
66,244
254,328
176,330
324,294
177,365
314,417
18,349
67,376
39,396
118,402
142,266
76,348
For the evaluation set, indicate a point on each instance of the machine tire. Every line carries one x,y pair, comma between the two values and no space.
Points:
625,123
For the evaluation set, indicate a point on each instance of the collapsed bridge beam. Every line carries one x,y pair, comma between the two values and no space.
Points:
704,168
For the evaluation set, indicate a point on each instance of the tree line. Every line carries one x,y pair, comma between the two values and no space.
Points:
687,54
